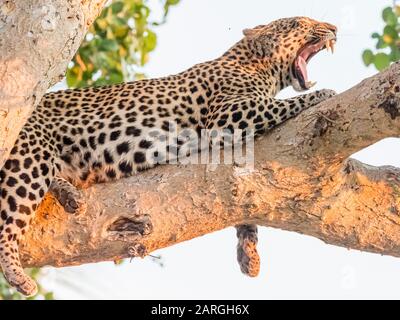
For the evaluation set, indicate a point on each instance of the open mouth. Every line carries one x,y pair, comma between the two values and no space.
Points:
303,57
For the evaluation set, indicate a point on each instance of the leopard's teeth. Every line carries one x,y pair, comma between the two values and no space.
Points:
330,45
327,45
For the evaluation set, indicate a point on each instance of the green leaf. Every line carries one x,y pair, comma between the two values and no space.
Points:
395,54
381,61
150,41
375,35
107,45
390,31
72,78
381,44
49,296
368,57
102,24
116,77
168,4
117,7
121,31
389,16
119,22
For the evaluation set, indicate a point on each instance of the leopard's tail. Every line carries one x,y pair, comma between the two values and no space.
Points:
247,255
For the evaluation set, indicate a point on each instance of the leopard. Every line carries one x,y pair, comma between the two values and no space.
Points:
78,137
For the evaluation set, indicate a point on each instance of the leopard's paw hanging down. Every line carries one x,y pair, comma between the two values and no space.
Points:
79,137
21,282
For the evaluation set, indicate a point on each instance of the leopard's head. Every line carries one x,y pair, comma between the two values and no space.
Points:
290,43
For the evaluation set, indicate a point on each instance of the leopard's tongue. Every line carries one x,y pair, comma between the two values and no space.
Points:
302,63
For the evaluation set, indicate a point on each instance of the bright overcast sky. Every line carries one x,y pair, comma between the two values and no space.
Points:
293,266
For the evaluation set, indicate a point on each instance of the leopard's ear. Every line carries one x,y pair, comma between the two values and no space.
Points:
260,40
250,32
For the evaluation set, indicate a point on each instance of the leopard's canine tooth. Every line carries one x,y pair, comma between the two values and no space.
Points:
330,45
333,42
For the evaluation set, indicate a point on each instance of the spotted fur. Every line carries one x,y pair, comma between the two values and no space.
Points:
79,137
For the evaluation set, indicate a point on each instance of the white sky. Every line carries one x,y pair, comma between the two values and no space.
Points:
293,265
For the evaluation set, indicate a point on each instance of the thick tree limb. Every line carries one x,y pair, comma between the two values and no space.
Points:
49,32
301,182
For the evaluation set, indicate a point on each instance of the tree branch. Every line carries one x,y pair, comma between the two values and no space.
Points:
49,32
302,181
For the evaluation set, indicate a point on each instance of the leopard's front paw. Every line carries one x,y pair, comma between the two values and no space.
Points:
68,196
325,94
72,201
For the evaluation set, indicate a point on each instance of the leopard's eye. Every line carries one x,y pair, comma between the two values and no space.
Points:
314,31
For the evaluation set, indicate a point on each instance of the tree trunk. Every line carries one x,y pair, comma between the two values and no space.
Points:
38,38
302,181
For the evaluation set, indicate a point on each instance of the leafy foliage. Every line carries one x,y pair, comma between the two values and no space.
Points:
387,43
115,49
117,45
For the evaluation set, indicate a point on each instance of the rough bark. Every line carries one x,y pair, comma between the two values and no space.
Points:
302,181
49,32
